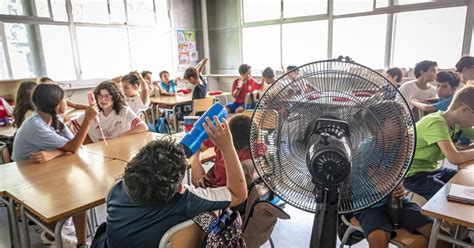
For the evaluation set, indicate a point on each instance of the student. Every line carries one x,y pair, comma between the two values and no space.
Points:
268,78
43,137
293,72
151,197
446,85
24,106
394,75
152,88
71,104
436,135
168,86
465,66
137,94
193,76
375,220
425,72
116,118
242,86
239,127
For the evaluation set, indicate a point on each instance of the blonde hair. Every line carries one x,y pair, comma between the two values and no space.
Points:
465,95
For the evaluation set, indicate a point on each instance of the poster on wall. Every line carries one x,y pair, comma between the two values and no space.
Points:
187,51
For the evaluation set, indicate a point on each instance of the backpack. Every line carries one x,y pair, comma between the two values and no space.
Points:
162,126
221,231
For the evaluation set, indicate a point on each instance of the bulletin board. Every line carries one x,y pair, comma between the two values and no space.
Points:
187,51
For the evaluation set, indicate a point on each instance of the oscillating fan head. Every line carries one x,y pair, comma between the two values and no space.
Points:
380,141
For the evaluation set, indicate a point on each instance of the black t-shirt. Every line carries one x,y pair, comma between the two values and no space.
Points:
200,90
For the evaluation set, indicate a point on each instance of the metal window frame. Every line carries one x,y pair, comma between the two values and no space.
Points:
392,9
71,24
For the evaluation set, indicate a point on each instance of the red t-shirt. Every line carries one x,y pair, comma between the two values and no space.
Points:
250,86
217,174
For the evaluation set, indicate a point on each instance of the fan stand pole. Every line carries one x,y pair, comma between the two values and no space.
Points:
324,233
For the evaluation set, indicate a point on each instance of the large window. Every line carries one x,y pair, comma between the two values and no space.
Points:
42,9
3,62
19,47
103,52
351,6
261,46
141,12
261,10
296,8
58,8
304,42
438,34
117,11
90,11
151,54
362,39
57,52
11,7
411,1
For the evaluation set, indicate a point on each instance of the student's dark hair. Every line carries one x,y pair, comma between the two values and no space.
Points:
424,65
46,98
396,72
463,96
23,102
131,79
244,68
163,72
144,73
448,76
44,80
291,67
465,62
114,91
155,174
189,73
239,126
268,73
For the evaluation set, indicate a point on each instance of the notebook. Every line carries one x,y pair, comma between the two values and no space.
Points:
460,193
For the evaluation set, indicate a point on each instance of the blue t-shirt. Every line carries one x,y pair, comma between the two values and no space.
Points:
132,225
35,135
443,104
170,88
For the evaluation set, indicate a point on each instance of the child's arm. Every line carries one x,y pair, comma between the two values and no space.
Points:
455,156
145,92
8,107
222,138
72,104
197,172
74,144
423,106
45,156
200,66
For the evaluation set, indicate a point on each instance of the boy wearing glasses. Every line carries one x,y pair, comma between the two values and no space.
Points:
436,140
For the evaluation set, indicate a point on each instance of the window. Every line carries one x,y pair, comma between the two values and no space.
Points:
162,14
412,1
261,46
11,7
58,7
103,52
438,33
350,6
151,54
141,12
57,52
90,11
42,9
304,42
117,11
21,57
381,3
261,10
3,62
362,39
296,8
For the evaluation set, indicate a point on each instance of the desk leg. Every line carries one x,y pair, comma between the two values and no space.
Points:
12,222
24,223
58,237
175,118
434,233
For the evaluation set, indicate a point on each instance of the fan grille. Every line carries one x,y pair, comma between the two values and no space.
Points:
381,155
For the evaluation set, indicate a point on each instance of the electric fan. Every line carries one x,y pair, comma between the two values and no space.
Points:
335,144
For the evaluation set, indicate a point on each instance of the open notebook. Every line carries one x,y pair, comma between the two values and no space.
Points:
460,193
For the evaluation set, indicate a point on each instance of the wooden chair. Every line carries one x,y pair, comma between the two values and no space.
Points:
183,235
403,239
202,105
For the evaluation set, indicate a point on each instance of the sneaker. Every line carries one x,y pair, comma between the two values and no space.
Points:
69,241
46,239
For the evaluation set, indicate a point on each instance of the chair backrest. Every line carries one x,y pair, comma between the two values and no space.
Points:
221,98
185,234
202,105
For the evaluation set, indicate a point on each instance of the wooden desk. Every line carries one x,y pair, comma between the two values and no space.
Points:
440,208
7,131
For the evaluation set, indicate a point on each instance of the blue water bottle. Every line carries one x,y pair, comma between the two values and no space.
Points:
192,141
